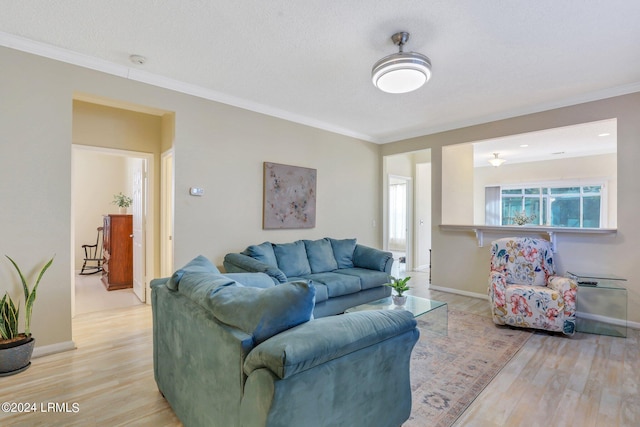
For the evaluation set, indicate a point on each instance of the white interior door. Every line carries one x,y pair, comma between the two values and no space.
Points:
139,214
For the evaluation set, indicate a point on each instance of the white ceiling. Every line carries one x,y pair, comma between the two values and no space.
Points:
587,139
310,61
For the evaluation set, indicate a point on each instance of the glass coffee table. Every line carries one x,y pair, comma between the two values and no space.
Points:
433,314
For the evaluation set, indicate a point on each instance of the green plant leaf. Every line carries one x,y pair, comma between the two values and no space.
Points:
30,295
9,315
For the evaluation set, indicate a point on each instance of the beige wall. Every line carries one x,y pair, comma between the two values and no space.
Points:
218,151
217,147
459,264
35,187
457,184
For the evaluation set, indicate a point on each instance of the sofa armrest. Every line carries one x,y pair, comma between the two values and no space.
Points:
561,284
497,292
568,288
498,280
321,340
372,258
240,263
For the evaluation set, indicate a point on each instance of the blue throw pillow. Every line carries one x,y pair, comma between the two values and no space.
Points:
263,253
343,251
292,258
199,264
320,255
264,313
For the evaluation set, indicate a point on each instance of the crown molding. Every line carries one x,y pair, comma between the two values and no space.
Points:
74,58
532,109
64,55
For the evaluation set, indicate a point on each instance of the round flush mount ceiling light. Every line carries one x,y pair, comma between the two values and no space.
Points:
401,72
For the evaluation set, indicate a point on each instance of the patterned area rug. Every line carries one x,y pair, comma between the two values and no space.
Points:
449,372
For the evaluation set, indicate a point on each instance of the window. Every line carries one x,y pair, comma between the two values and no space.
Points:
577,206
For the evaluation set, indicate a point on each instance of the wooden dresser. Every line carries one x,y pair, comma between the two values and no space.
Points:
117,267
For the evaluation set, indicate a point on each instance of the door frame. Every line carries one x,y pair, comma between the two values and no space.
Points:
423,188
148,217
167,191
409,217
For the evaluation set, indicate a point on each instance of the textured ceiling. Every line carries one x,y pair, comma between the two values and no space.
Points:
310,61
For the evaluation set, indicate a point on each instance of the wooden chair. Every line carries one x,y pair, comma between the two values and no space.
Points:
93,256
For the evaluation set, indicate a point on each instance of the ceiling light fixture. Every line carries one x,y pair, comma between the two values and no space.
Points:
495,162
401,72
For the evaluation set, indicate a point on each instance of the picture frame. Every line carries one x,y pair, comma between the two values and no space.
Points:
289,200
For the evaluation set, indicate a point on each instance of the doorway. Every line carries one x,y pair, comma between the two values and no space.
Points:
399,225
98,174
407,197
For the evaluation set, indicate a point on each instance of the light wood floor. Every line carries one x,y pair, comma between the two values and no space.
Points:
587,380
92,296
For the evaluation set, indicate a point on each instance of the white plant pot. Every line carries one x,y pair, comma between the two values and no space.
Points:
397,300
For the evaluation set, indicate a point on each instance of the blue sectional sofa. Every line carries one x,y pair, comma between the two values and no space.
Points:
237,350
344,273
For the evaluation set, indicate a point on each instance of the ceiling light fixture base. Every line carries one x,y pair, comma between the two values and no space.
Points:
400,39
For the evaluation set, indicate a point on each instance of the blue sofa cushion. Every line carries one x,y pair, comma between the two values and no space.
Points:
199,264
320,255
262,252
343,251
337,284
321,288
322,293
368,278
264,313
371,258
292,258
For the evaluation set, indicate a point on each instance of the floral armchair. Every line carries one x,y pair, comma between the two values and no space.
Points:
524,290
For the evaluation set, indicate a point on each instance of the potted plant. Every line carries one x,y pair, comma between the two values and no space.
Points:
16,348
400,286
521,218
122,201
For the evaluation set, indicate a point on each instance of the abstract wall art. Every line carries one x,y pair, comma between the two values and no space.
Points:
289,197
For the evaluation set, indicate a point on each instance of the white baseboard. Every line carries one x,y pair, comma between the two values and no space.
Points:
46,350
459,292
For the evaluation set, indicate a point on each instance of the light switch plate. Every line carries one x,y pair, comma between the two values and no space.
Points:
196,191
